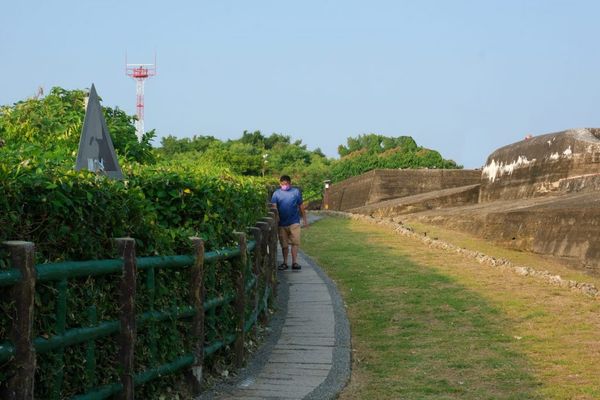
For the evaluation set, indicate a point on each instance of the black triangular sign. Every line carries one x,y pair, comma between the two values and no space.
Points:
96,151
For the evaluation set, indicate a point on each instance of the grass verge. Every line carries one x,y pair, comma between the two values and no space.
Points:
427,324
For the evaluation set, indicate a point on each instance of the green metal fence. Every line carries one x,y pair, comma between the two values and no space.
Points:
250,305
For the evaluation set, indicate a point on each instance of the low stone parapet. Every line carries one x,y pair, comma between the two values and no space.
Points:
444,198
387,184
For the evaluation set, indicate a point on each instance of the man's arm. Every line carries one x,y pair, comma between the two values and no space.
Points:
303,213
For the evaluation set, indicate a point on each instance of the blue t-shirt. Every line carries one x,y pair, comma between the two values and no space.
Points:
288,202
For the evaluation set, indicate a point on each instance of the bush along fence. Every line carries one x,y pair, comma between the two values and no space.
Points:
237,306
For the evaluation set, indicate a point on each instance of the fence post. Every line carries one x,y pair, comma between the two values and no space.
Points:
197,300
270,265
256,269
264,268
271,256
274,214
240,299
126,247
20,386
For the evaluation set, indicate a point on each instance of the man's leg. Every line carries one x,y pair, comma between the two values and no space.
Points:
294,253
295,242
283,241
285,251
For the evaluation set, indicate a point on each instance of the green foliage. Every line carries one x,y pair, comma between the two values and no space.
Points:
257,139
171,145
57,116
53,123
75,215
283,156
310,176
373,143
158,205
122,131
38,198
367,152
198,186
190,200
272,156
253,155
243,158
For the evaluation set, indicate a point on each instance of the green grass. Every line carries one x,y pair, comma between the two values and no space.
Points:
563,267
417,333
432,324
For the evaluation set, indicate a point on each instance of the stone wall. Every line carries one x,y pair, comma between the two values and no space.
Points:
392,184
386,184
351,193
444,198
565,226
559,162
538,195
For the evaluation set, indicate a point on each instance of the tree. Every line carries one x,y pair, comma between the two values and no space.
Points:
366,152
255,139
53,125
171,145
374,143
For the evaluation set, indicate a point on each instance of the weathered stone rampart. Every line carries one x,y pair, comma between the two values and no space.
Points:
351,193
559,162
463,195
539,195
565,226
386,184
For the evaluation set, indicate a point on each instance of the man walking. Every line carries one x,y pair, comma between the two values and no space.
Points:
290,206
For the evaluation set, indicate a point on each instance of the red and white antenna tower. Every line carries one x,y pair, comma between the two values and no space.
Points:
140,72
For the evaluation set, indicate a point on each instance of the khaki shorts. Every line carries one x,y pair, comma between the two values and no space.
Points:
289,235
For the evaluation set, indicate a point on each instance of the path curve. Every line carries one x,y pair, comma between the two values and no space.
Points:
307,354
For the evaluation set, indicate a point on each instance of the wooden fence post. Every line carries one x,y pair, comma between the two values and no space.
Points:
126,247
274,213
240,299
271,259
256,269
21,385
274,221
264,268
197,300
268,253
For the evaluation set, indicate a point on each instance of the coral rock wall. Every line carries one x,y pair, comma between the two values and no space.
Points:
557,162
384,184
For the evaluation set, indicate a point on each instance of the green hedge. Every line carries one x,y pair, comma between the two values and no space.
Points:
211,204
75,215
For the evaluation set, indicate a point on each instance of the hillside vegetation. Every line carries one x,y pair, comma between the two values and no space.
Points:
39,137
75,215
161,202
199,186
47,130
255,154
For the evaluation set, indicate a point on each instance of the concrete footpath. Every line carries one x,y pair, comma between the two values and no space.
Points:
307,354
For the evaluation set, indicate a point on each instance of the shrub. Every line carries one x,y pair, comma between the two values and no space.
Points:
73,215
367,152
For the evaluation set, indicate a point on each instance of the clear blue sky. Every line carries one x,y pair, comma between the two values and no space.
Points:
462,77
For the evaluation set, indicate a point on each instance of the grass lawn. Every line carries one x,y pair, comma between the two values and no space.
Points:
429,324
